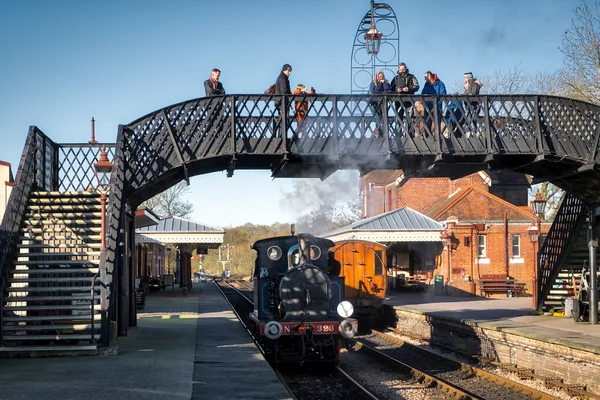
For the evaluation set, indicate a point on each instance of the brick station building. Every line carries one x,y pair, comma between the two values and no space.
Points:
487,220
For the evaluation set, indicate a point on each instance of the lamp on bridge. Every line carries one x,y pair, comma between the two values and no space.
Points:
539,206
373,36
103,170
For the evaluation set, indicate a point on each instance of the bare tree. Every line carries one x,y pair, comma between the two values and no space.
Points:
510,81
548,83
171,203
553,196
581,49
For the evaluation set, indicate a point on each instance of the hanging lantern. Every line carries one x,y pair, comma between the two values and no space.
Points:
539,205
373,36
103,169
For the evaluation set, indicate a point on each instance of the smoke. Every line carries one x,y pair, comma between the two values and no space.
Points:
308,194
319,206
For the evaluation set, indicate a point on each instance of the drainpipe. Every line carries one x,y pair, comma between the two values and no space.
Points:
473,290
506,241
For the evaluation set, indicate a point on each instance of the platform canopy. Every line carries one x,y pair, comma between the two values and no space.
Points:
178,230
401,225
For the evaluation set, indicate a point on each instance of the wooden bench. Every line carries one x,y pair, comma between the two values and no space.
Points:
489,284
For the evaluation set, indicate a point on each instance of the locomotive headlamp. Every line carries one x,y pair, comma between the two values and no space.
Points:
348,328
345,309
273,330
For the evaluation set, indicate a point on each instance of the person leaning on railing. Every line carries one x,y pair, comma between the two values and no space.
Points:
404,83
379,85
472,87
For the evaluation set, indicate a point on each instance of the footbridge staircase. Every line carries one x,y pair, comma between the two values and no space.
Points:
63,292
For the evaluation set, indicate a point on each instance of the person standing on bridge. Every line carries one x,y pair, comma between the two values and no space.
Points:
301,107
212,86
282,87
404,83
379,85
433,86
472,87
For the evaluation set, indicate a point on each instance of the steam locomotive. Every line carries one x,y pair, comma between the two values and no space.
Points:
299,310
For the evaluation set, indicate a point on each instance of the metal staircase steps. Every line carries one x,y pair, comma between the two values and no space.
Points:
49,302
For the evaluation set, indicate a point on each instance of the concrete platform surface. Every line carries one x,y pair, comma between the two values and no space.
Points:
511,315
165,357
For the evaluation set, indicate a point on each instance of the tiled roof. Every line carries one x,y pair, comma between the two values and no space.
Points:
383,177
402,219
176,224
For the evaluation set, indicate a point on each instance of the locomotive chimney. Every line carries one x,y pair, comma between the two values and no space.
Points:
293,229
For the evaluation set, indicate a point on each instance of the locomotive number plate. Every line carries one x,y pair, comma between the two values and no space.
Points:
319,328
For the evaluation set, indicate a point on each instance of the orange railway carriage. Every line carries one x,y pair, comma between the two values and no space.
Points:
363,266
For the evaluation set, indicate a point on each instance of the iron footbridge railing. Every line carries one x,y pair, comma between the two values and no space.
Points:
549,137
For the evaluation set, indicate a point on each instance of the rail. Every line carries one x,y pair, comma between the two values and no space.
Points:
467,368
279,375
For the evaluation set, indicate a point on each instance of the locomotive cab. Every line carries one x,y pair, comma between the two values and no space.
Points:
296,300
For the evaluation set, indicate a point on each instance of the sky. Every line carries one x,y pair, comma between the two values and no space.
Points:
63,62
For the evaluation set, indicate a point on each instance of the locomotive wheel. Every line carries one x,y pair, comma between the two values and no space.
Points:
576,310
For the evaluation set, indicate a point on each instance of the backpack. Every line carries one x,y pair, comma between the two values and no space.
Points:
270,90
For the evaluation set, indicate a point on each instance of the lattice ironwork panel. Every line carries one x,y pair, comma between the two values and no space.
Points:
513,124
257,125
76,165
569,219
569,126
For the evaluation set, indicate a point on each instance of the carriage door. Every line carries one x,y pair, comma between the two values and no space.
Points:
361,271
346,258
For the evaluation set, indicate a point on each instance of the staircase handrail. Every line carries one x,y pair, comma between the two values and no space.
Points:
558,243
12,221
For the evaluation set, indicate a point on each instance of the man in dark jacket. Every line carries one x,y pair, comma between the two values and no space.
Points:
404,83
212,86
282,85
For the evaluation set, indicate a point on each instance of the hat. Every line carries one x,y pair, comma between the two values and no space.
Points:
286,67
469,75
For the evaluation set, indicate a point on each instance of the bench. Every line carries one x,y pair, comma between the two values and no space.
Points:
489,284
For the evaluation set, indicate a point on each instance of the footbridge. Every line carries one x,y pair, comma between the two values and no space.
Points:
52,252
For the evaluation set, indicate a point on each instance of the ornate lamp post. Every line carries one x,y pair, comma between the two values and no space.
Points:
104,170
373,36
538,205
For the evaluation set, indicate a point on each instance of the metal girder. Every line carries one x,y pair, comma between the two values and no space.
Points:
176,147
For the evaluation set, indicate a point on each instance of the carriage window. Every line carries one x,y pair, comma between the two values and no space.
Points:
378,262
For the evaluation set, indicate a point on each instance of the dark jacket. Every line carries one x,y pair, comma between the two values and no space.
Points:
282,85
402,81
210,89
380,88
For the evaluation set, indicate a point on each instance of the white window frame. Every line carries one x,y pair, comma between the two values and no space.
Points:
518,254
480,253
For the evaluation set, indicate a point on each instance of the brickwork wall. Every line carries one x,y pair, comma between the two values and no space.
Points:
574,365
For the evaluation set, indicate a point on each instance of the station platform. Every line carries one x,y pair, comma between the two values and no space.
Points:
184,347
512,315
506,330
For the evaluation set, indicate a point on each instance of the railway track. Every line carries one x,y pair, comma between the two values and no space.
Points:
457,379
302,383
